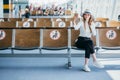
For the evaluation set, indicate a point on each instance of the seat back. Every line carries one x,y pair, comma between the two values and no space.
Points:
27,38
57,19
15,19
102,20
113,23
30,19
40,24
26,24
74,36
5,38
55,38
69,19
4,19
8,24
44,22
109,37
60,22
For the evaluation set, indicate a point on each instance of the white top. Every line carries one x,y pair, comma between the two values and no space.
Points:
85,32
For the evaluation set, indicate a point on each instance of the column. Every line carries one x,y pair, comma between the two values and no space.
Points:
6,8
1,8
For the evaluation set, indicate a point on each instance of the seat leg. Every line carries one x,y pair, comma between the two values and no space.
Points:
12,51
69,59
40,50
97,50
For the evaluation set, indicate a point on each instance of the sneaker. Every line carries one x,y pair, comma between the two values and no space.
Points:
98,64
86,68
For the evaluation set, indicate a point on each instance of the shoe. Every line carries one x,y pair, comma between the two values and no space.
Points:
86,68
98,64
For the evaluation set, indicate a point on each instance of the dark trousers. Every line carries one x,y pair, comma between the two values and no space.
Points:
87,44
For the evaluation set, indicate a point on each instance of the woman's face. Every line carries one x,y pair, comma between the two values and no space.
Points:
86,16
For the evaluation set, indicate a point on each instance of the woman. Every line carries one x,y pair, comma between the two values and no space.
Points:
87,28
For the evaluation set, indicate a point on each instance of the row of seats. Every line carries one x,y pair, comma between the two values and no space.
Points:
10,19
105,22
48,22
32,19
30,38
41,22
54,37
